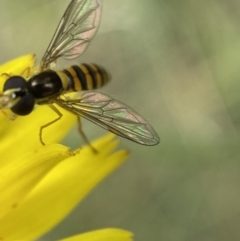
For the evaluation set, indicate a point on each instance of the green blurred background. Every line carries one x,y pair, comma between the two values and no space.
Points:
177,63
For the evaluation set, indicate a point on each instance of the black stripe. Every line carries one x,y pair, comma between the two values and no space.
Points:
70,80
93,75
101,72
104,74
81,77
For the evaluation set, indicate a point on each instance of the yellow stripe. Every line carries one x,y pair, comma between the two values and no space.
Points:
89,82
72,72
88,77
77,83
83,68
98,76
104,76
64,79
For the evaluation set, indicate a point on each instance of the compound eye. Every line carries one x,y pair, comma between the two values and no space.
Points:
26,102
24,106
15,82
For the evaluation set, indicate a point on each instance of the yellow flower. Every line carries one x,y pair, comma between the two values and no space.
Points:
40,185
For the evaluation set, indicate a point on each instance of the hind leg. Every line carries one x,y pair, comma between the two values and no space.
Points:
83,135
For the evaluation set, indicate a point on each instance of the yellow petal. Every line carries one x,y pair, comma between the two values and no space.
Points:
16,181
61,190
16,67
30,181
109,234
22,134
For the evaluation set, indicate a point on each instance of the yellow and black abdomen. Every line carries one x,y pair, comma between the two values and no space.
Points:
84,77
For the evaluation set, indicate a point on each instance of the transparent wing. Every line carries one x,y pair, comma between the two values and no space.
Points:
76,29
113,116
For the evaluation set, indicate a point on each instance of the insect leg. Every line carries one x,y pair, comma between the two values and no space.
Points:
51,122
6,75
10,116
83,135
26,72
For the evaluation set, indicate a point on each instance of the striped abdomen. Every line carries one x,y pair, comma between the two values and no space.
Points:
84,77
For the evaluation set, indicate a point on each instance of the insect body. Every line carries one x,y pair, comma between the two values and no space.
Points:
47,86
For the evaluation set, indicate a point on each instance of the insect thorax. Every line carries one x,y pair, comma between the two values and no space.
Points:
46,84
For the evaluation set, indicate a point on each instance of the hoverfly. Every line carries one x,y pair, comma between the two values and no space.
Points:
76,29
